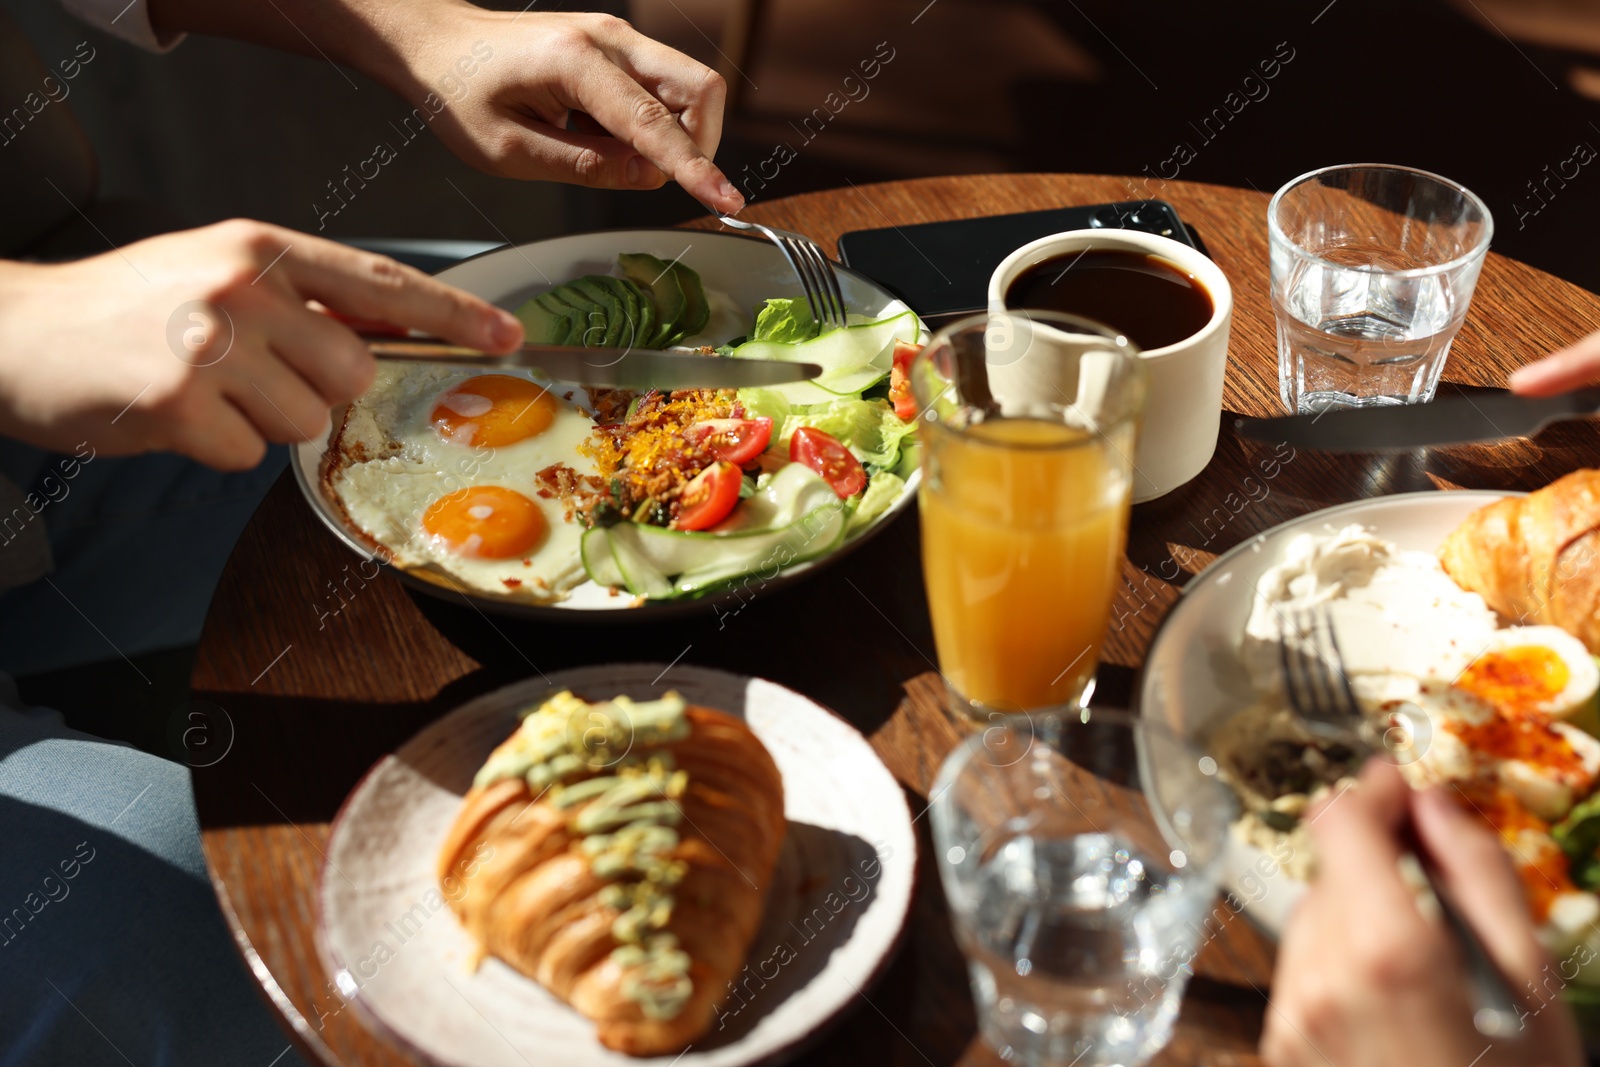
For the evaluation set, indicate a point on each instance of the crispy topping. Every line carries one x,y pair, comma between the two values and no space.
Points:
577,492
648,459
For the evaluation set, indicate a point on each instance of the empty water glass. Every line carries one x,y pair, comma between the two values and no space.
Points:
1373,267
1081,858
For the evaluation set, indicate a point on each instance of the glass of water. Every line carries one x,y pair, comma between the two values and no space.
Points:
1372,270
1081,859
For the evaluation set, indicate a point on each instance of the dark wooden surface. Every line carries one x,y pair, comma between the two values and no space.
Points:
296,702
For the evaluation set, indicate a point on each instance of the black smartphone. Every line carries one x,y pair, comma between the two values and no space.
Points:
942,269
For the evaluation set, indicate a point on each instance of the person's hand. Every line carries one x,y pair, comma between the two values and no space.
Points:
1364,978
1570,368
558,96
510,82
202,342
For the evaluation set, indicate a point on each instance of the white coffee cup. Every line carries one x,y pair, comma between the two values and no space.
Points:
1184,410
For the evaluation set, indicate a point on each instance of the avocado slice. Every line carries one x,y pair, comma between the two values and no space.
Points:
633,303
588,317
696,310
575,307
642,326
627,308
595,288
666,292
542,324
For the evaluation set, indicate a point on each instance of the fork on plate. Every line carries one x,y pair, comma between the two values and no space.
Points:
813,268
1320,693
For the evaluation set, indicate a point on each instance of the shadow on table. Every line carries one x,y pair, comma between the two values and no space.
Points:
923,994
334,743
820,892
849,636
1251,486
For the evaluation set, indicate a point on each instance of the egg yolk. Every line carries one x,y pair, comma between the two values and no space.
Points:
1545,873
488,521
1518,681
494,410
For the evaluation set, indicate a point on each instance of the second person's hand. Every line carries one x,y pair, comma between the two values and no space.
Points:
1569,368
511,81
1364,977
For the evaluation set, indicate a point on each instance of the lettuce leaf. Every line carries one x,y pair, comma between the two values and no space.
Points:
785,319
883,489
869,428
768,402
1579,837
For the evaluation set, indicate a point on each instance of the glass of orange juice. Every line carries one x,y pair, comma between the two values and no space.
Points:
1028,430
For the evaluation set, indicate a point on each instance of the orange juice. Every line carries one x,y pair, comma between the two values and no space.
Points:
1023,527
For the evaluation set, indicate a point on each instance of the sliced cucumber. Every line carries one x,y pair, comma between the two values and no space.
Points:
840,351
795,517
599,561
826,390
641,578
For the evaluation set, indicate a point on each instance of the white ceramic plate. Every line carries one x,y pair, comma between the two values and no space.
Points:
1193,677
749,270
835,912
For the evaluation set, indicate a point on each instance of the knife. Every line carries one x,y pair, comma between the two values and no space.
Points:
1487,415
618,368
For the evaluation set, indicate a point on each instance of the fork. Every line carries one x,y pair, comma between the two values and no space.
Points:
1319,691
814,269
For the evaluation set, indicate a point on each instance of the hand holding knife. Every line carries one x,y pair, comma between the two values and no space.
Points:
618,368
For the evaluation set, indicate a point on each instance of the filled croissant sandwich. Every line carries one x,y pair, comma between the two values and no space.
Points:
630,846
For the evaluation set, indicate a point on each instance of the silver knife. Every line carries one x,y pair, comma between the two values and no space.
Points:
1491,415
618,368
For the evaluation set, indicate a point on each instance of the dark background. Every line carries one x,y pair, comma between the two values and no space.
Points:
1489,92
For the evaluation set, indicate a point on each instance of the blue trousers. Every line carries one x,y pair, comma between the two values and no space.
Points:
112,947
139,544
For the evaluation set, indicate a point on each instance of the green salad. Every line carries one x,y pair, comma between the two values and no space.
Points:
699,489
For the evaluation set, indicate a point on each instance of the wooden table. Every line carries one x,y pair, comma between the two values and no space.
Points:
294,705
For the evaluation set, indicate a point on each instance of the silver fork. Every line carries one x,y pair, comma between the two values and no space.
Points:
812,267
1319,692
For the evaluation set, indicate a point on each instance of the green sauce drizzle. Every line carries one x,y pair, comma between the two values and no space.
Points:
628,830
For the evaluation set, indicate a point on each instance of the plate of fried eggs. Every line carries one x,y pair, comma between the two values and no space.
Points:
461,478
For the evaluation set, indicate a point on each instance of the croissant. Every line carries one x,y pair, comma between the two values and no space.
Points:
1536,559
619,854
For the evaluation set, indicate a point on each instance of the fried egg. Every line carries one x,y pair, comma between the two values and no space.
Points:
441,470
1534,670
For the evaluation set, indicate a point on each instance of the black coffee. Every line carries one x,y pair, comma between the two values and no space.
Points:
1146,297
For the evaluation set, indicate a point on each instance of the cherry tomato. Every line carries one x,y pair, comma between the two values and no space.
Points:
900,395
736,441
709,497
823,453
